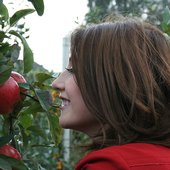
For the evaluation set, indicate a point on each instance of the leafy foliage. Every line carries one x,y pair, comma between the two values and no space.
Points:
79,141
165,24
8,163
20,14
38,5
151,10
33,126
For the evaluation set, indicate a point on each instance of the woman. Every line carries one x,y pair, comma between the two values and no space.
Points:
116,90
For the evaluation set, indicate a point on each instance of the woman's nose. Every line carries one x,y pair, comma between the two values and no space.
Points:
58,83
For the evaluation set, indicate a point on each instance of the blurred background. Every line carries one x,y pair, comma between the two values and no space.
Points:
48,33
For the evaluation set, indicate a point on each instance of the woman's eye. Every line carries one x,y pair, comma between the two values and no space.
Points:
69,70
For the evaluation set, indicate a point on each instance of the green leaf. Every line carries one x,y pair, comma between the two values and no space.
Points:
24,85
15,51
5,139
25,136
41,77
5,165
19,165
2,36
20,14
166,15
33,108
28,58
28,55
26,120
4,47
38,5
4,15
38,131
5,72
55,129
42,86
44,98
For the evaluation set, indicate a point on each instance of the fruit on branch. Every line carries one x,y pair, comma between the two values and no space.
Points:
19,79
9,151
10,93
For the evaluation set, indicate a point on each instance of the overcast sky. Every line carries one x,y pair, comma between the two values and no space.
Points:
46,32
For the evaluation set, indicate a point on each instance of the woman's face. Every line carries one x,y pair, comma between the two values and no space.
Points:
74,113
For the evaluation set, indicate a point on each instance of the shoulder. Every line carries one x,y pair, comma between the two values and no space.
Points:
125,157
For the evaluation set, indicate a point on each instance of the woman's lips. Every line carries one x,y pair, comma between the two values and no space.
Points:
64,103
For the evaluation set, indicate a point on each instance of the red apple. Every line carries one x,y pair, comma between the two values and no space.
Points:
10,93
9,96
8,150
19,79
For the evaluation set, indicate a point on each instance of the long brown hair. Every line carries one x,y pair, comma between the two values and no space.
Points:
123,71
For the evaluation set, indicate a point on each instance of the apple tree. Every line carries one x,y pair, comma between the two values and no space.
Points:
28,104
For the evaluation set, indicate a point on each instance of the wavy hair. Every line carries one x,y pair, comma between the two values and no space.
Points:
122,68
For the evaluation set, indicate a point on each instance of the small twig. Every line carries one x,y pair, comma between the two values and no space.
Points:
11,129
54,106
29,96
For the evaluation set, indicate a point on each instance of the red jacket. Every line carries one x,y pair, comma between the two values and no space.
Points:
134,156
